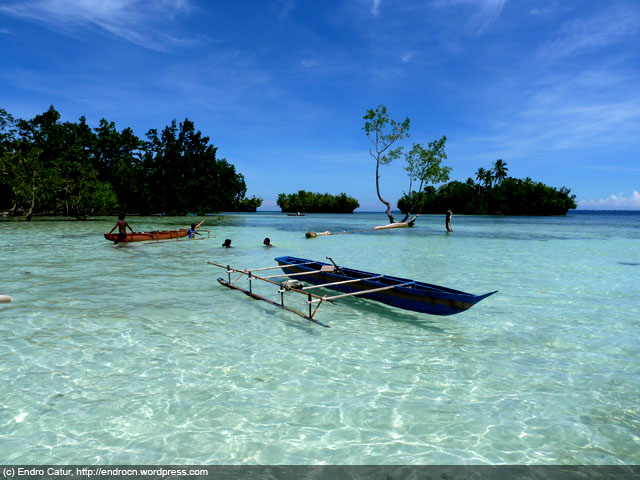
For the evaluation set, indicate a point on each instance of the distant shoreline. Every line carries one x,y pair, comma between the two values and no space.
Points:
576,212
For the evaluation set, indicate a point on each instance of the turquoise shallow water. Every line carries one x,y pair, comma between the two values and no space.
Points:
135,354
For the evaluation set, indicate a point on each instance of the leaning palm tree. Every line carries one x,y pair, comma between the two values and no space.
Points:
500,170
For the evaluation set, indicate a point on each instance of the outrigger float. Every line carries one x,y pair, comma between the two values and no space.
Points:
394,291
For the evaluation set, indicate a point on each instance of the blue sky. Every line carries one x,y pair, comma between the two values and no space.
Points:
280,87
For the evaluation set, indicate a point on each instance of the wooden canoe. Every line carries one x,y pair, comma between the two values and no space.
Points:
394,291
155,236
149,236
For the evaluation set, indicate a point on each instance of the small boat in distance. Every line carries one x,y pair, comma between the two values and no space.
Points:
394,291
295,214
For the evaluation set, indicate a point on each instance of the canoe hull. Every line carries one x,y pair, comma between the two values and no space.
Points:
418,296
148,236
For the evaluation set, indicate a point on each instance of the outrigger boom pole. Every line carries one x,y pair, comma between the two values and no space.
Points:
282,290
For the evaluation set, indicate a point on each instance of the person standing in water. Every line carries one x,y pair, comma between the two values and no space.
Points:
448,221
193,231
122,226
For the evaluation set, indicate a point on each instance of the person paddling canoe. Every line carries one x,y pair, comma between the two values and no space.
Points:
193,231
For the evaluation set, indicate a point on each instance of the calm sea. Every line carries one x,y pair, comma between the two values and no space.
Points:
136,355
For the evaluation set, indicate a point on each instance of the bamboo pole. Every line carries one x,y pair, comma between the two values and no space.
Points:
341,283
247,270
298,274
363,292
242,272
277,266
271,302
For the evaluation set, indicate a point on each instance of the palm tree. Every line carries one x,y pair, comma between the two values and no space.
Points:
480,176
485,176
488,179
500,170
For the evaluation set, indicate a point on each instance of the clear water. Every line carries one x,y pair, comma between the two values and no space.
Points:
136,355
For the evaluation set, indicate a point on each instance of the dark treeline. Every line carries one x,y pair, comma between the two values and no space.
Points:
65,168
317,202
507,196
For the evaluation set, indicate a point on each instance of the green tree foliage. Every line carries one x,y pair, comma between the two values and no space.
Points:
50,168
424,166
499,170
117,157
7,141
484,177
28,180
249,204
317,202
183,170
47,166
511,196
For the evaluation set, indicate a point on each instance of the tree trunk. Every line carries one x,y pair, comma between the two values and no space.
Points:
33,204
380,196
412,204
411,222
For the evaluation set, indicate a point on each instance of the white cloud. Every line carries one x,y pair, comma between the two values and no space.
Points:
375,8
613,26
591,108
142,22
284,7
407,57
487,13
613,202
479,14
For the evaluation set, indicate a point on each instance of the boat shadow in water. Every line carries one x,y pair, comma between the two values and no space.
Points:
269,314
356,307
385,313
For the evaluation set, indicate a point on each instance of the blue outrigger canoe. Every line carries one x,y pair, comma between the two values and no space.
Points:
394,291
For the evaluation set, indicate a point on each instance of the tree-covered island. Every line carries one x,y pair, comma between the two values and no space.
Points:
65,168
311,202
495,192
